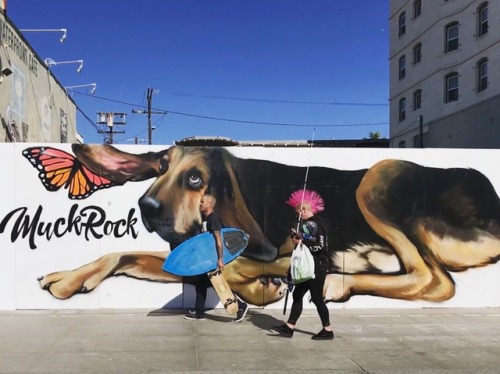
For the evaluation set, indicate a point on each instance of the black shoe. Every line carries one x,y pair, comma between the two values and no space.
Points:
323,335
284,330
193,316
242,312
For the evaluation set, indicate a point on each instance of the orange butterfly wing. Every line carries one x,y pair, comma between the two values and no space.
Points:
58,169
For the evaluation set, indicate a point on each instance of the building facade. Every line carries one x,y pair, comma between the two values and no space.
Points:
34,106
445,73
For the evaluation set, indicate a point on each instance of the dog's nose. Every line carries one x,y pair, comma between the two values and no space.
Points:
149,205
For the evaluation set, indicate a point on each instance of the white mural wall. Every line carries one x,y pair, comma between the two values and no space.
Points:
44,231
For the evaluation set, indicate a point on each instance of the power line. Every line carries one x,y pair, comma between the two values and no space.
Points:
237,120
279,101
275,123
406,130
156,126
97,129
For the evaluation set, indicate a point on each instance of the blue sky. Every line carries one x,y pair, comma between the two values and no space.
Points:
248,70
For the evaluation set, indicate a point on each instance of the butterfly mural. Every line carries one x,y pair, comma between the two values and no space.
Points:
58,169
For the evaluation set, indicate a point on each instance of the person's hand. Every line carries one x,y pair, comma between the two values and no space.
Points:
220,264
294,235
296,239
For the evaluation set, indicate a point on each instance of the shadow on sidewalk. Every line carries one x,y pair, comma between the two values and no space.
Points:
268,322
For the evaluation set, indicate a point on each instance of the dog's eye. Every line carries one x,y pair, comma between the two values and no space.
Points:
193,179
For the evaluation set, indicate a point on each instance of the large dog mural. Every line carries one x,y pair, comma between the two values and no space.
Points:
396,230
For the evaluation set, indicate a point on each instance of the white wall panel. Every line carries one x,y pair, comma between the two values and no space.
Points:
21,265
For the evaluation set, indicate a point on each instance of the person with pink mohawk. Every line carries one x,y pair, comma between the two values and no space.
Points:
312,233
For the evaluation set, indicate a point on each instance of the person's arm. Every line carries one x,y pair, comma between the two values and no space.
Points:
218,246
315,238
214,224
298,236
316,243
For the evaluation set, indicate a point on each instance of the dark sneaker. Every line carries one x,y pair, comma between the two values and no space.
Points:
194,316
323,335
242,312
284,330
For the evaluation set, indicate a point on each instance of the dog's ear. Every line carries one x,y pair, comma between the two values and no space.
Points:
232,206
117,165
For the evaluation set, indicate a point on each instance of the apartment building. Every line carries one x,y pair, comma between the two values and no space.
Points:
445,73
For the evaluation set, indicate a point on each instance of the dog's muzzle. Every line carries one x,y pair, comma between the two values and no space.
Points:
150,208
155,220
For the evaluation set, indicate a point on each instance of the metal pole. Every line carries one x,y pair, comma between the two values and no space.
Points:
421,119
150,128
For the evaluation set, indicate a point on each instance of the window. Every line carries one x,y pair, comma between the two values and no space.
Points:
402,23
417,99
402,144
417,8
417,53
402,109
451,87
402,67
482,19
451,37
482,74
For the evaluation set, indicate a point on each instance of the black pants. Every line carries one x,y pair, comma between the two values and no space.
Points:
315,287
201,284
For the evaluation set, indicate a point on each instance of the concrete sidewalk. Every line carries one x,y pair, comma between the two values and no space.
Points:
162,341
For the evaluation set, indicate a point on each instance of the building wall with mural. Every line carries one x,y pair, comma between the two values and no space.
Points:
90,226
33,104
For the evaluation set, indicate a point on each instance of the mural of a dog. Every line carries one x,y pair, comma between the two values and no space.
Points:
396,230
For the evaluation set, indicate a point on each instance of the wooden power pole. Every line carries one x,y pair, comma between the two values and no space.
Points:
149,112
150,128
110,119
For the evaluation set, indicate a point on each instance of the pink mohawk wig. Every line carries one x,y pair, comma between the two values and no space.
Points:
309,197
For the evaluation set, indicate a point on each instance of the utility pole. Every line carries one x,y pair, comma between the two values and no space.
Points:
150,128
110,119
149,112
421,131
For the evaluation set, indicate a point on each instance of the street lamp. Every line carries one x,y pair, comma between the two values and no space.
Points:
63,37
93,85
49,62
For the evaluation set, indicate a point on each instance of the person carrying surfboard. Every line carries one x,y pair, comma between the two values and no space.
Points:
213,224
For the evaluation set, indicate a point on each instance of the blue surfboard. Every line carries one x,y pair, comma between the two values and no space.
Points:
198,254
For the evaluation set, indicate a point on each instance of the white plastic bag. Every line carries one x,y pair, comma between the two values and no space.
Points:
302,264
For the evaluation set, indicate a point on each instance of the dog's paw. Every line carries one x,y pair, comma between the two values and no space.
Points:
336,289
62,284
262,291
